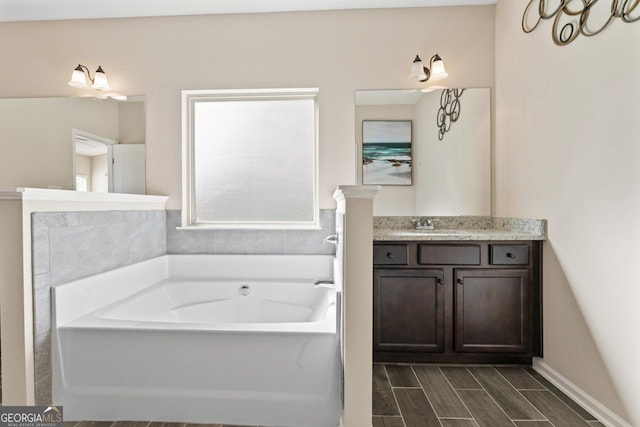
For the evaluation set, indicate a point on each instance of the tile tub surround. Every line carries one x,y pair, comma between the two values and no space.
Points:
468,227
276,242
68,246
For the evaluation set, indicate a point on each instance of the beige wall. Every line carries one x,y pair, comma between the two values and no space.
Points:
131,123
337,52
567,149
99,171
83,167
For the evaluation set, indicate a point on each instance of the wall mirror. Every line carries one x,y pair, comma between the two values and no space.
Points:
450,160
83,144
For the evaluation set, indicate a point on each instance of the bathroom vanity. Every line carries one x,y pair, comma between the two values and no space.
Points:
457,294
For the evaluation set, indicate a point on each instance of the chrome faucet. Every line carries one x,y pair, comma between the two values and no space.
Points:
324,284
423,223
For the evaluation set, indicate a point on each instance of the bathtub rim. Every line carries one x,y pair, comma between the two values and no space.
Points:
83,296
95,320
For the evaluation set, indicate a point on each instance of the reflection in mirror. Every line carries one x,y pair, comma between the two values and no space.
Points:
40,135
91,166
451,164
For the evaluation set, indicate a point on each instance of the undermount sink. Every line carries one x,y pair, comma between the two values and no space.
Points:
435,232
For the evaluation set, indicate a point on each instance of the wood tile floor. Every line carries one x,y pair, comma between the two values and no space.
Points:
445,396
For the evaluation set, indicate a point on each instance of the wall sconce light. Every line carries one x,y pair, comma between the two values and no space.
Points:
98,82
435,71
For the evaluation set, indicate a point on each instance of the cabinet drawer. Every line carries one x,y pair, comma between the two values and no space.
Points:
390,254
509,254
449,254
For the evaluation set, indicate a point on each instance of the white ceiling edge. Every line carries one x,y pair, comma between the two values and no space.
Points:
50,10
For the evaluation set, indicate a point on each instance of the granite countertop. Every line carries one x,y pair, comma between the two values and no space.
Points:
459,228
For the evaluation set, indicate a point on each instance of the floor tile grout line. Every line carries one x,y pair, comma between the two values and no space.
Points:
545,389
457,394
554,395
567,406
525,397
394,396
541,385
491,397
426,396
415,377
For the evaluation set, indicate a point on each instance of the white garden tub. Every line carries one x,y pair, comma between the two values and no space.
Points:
233,339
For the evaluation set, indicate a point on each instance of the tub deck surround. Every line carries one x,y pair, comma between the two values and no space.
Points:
68,246
233,339
401,228
22,334
82,197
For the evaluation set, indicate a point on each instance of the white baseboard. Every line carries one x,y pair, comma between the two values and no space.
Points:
595,408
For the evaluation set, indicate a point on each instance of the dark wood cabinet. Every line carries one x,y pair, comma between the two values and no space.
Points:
418,326
457,302
492,311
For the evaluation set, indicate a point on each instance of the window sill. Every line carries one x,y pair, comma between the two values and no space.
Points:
251,227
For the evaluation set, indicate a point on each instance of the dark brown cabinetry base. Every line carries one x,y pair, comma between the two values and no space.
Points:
457,302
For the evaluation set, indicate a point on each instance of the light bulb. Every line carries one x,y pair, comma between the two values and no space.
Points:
100,81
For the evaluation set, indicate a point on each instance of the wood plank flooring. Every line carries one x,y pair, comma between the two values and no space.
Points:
473,396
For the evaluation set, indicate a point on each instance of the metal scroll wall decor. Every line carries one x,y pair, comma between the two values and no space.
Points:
579,13
449,110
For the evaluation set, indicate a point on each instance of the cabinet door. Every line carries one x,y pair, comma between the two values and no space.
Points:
492,311
408,310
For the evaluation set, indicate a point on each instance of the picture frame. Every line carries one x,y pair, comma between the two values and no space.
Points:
387,152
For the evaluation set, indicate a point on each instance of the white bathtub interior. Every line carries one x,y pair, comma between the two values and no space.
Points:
229,304
234,339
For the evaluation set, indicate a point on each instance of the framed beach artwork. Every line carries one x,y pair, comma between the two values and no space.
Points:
386,152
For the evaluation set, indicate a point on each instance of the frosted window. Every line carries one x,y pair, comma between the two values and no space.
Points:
253,160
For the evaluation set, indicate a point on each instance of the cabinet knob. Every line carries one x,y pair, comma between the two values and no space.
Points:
439,281
460,281
390,255
511,255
